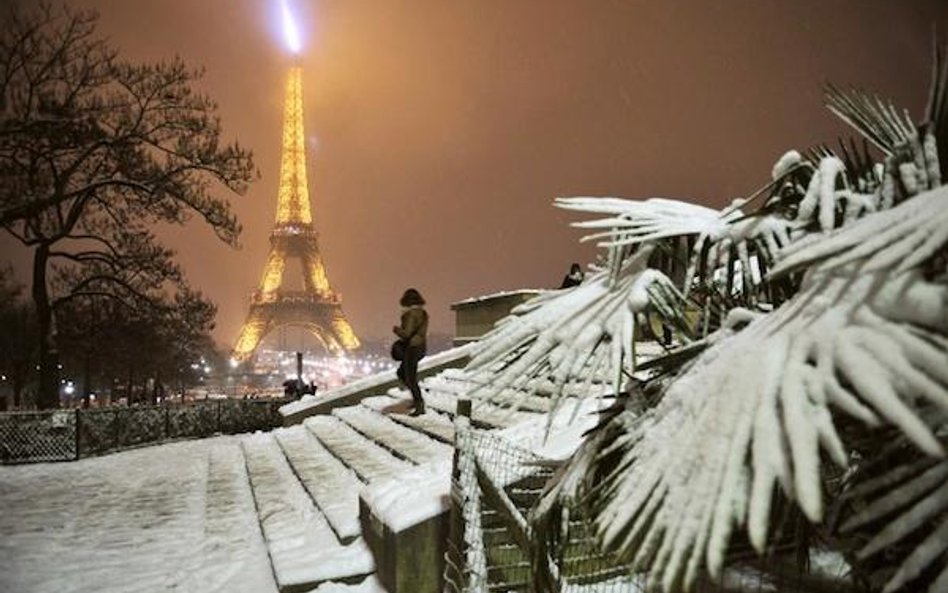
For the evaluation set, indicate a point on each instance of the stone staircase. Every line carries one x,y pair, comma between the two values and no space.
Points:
303,481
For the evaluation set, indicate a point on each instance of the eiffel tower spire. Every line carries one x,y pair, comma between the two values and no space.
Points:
316,308
293,200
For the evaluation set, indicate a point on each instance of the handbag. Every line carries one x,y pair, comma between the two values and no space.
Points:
398,349
400,345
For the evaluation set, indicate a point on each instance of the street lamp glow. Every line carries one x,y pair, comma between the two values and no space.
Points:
291,34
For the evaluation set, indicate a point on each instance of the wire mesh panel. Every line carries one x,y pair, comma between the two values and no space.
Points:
192,421
37,436
499,544
515,560
496,483
99,430
142,425
239,416
511,480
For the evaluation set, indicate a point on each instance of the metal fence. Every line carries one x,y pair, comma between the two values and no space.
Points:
497,544
66,435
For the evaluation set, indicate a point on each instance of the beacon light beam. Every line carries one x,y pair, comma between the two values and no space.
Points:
291,34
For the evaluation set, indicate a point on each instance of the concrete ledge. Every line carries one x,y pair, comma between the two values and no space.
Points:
378,384
409,561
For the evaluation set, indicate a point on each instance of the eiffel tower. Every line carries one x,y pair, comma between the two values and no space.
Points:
316,308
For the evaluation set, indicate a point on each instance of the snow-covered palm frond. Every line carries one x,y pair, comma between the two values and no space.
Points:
879,121
863,172
898,240
728,252
829,201
912,160
575,338
936,112
718,232
640,221
902,503
756,408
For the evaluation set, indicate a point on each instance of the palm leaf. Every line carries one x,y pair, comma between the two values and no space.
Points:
574,342
877,120
756,408
731,249
898,240
936,112
902,503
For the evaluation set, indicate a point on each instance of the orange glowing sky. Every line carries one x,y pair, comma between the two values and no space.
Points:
440,131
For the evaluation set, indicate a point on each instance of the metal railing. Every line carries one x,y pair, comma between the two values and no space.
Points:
497,541
66,435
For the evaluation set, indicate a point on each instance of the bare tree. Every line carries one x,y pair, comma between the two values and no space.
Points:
94,151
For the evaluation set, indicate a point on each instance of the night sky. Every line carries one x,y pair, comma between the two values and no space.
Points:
440,131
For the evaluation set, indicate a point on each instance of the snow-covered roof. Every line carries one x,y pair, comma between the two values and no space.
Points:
528,292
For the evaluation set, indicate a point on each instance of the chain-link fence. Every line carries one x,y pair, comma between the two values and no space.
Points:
494,546
65,435
500,542
38,436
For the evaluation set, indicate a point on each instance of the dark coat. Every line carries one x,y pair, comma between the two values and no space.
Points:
415,324
570,281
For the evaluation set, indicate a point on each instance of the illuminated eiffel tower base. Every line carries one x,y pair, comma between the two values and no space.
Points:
316,307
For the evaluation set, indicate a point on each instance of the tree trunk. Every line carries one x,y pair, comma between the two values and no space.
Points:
48,392
86,379
131,378
157,390
18,383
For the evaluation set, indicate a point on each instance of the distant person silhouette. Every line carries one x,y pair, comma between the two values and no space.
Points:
412,330
574,278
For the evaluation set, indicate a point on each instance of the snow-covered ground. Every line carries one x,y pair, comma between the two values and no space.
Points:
251,513
136,521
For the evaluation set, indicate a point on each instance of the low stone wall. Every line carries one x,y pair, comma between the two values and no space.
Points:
411,560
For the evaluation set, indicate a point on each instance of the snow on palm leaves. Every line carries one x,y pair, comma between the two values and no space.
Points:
584,333
899,501
585,336
850,258
865,335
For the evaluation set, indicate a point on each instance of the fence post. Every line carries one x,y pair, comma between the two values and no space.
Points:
464,407
116,426
78,430
455,570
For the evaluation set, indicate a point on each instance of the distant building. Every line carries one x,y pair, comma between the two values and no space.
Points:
475,317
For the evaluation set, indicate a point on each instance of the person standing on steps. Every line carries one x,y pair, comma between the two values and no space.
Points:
412,330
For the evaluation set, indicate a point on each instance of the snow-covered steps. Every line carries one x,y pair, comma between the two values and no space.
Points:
404,442
234,550
369,460
456,382
333,486
434,424
483,413
304,550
